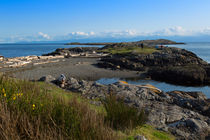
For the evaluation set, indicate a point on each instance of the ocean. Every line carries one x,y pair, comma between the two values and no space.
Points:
16,50
200,49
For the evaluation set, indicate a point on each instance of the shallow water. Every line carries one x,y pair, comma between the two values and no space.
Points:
161,85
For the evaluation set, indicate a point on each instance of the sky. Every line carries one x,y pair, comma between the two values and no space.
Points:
36,20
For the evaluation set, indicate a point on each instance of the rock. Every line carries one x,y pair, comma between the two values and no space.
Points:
73,51
62,80
47,79
139,137
196,124
184,75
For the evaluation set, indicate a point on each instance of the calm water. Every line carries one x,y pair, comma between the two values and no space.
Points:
201,49
15,50
161,85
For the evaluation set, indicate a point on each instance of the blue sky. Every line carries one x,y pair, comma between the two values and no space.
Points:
64,19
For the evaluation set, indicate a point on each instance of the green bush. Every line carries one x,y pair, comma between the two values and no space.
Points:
122,116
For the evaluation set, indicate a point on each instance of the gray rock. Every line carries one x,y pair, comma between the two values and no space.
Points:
196,124
139,137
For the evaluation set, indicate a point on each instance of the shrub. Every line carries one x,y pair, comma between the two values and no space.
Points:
122,116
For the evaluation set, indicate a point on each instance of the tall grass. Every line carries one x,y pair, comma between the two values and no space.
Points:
122,116
28,112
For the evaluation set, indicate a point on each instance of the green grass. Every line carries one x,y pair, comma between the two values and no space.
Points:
150,133
130,50
68,95
122,116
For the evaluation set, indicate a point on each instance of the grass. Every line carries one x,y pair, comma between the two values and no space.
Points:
130,50
34,111
150,133
122,116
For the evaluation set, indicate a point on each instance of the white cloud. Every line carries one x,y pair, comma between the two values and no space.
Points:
43,35
79,33
174,31
92,33
205,31
125,33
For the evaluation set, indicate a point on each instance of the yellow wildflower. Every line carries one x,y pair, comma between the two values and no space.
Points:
3,90
21,94
14,98
33,106
5,94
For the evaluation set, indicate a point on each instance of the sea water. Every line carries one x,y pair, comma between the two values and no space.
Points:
16,50
161,85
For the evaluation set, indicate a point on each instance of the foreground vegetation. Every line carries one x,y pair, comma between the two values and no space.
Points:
42,111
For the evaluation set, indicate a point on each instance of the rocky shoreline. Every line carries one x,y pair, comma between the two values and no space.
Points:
184,114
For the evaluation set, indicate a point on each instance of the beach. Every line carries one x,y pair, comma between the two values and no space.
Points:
80,68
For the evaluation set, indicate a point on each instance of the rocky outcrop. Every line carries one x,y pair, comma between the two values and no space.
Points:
184,114
169,64
77,51
165,57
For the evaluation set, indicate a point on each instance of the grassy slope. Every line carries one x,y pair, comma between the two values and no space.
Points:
128,50
147,130
33,100
150,133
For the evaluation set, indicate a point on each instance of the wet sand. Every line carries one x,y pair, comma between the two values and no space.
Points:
80,68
